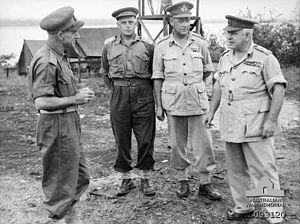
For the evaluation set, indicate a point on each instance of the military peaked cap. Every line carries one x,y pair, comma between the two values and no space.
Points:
128,11
238,23
61,19
180,9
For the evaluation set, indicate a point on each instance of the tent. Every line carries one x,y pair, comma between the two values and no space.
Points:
89,47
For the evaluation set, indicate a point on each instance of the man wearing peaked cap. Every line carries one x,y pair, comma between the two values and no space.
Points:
52,88
60,20
125,12
249,87
127,68
181,64
238,23
180,9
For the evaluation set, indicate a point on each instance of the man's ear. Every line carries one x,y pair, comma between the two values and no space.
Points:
171,21
60,34
118,23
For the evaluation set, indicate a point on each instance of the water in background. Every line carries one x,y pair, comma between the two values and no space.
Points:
11,38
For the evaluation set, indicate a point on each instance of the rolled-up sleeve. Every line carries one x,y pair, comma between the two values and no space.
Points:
272,73
158,64
44,80
104,63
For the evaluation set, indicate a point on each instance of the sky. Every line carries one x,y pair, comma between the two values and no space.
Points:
102,9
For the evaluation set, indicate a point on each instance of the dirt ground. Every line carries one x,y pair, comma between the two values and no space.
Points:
20,166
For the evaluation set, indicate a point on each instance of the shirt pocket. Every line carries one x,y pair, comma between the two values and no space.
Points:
202,96
197,61
223,76
115,61
168,94
66,82
140,63
171,63
251,77
255,114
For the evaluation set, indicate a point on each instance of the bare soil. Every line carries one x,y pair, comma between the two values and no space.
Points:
20,166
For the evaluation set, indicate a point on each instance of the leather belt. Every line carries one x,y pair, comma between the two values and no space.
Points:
60,111
130,82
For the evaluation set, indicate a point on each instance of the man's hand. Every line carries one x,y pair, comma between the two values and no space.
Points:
160,114
269,128
84,96
207,119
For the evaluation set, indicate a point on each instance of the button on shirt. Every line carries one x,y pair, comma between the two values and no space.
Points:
122,61
246,88
50,74
181,68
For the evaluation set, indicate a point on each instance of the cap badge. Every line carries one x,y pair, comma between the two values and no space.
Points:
184,8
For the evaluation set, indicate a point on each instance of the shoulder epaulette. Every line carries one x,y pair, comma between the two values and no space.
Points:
146,40
225,52
262,49
52,58
110,40
197,35
163,39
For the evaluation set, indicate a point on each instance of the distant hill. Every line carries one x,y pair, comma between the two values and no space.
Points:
36,22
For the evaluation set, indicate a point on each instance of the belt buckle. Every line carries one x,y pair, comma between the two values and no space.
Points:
128,82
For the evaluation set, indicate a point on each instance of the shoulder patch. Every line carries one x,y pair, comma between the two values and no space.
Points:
52,58
262,49
110,40
163,39
197,35
225,52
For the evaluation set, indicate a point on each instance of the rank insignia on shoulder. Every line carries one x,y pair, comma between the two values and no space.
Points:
253,63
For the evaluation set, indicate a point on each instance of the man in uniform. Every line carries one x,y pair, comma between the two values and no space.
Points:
215,51
181,62
126,68
250,88
52,87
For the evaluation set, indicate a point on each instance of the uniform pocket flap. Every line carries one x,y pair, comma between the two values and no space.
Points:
196,55
169,89
252,70
114,55
252,107
170,57
142,57
200,87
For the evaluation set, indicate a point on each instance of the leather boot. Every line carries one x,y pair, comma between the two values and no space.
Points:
184,189
146,188
208,191
71,216
126,186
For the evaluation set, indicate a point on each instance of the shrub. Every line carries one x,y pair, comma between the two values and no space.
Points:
282,39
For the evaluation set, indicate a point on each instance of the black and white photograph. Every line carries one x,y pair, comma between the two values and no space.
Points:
149,112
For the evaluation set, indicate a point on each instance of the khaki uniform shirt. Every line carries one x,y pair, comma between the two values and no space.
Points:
183,91
216,52
122,61
50,73
246,89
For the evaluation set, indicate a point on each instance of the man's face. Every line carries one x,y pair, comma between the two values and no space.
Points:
68,37
213,40
236,39
181,26
127,25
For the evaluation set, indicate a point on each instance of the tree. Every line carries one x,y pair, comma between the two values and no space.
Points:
4,59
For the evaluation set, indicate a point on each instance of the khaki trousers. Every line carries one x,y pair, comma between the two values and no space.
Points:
182,128
247,163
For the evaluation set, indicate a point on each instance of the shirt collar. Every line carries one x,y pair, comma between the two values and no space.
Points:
173,41
119,38
56,46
